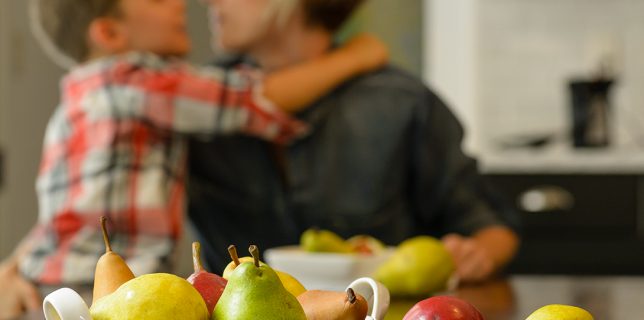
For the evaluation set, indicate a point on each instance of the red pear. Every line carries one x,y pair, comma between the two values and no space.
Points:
209,285
443,308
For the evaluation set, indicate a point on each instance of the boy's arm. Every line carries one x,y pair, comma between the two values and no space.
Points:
296,87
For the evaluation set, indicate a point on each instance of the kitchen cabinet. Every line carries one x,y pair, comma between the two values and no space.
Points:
577,218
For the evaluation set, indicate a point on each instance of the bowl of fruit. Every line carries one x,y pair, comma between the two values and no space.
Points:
326,261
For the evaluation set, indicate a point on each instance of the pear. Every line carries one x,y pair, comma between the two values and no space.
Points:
111,270
209,285
560,312
419,266
315,240
366,244
158,296
254,291
331,305
291,284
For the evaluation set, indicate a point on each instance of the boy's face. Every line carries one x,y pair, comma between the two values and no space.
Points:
157,26
240,24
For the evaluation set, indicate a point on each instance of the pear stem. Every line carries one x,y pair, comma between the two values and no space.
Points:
232,250
196,257
351,295
254,251
108,247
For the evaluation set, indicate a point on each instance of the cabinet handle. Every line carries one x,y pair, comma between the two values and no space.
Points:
546,199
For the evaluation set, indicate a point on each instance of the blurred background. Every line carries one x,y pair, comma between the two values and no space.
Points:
512,71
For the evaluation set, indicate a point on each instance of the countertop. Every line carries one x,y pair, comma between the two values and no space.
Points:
515,297
563,160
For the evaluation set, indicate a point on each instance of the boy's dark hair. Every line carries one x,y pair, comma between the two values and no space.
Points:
64,24
330,14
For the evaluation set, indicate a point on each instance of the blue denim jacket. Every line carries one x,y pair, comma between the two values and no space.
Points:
384,158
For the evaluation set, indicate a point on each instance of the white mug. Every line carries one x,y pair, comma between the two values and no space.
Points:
375,293
65,304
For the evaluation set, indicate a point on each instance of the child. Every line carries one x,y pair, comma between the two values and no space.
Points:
115,145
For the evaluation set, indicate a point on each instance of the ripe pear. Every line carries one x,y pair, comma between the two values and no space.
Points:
419,266
111,270
254,291
209,285
560,312
291,284
366,244
158,296
316,240
331,305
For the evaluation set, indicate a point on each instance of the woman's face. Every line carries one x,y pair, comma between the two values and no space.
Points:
239,24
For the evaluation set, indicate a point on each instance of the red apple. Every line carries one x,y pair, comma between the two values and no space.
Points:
443,308
209,285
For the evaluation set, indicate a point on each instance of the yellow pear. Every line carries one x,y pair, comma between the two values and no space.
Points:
111,270
156,296
560,312
316,240
292,285
420,266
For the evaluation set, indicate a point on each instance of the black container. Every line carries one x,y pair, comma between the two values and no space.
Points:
590,113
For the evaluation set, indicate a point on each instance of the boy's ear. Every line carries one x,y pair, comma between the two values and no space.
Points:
107,35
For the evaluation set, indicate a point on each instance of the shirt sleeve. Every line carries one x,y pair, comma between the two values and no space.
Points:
449,193
207,101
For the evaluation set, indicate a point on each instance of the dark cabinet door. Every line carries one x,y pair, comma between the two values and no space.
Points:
576,224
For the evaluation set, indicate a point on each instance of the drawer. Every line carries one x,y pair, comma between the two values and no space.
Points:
573,206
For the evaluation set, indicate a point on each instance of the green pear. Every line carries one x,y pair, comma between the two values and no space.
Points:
419,266
291,284
560,312
254,291
158,296
315,240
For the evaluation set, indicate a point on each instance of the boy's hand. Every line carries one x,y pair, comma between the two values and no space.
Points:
369,52
17,295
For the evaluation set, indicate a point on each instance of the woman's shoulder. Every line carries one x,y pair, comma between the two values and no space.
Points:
390,78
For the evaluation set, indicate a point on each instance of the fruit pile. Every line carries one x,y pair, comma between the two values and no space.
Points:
247,289
250,289
406,273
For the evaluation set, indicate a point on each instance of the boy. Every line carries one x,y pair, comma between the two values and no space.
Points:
113,146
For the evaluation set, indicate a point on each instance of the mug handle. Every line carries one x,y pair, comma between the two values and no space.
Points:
65,304
375,293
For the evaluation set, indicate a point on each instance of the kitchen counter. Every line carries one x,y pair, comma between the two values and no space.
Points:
563,160
607,298
514,298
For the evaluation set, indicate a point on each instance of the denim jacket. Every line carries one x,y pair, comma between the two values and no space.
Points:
383,158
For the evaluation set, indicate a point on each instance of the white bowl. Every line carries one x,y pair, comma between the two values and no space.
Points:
324,271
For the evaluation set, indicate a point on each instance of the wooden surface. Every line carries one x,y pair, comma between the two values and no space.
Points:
607,298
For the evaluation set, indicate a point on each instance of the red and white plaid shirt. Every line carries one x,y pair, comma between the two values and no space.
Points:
116,147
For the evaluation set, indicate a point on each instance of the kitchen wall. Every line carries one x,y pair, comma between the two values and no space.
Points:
528,50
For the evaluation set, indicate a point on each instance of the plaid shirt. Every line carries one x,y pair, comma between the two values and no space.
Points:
116,146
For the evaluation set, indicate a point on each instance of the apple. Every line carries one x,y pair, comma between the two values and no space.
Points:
443,308
209,285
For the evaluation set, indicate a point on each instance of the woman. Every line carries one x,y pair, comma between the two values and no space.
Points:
383,157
